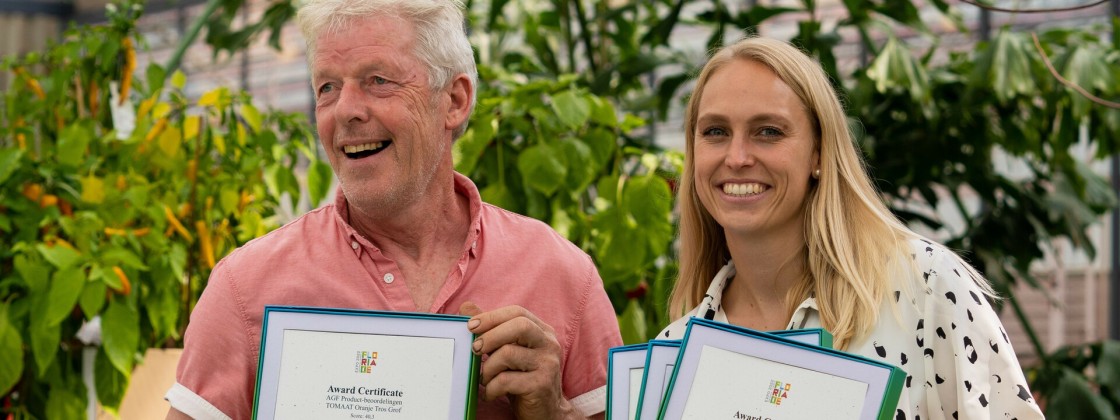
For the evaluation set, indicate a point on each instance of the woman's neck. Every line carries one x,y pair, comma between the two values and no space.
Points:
766,271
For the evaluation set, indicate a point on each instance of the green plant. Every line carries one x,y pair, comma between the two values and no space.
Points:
102,218
549,149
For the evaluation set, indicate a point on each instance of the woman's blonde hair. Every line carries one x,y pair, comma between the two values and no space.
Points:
853,241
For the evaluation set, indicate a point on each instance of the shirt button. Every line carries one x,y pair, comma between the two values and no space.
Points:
354,244
388,278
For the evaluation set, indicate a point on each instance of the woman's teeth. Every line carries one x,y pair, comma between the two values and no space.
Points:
743,189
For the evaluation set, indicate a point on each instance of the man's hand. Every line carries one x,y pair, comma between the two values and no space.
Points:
523,360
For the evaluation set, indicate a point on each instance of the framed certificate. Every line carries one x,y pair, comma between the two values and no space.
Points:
725,371
660,361
625,367
326,363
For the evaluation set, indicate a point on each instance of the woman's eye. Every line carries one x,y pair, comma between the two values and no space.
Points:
714,131
770,132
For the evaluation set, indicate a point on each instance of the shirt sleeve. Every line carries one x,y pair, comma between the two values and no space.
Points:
972,371
217,369
595,332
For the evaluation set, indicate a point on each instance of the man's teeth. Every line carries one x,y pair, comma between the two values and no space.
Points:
362,147
743,189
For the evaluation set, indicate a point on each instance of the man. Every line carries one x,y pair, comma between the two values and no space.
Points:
394,83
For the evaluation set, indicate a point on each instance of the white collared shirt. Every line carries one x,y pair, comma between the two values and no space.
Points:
946,336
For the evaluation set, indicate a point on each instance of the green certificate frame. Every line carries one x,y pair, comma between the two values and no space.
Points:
332,363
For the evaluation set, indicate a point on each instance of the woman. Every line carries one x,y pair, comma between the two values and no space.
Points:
782,228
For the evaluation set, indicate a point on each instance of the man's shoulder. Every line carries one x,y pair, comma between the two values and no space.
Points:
517,228
292,237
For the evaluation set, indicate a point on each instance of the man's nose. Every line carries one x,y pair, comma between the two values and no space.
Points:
353,104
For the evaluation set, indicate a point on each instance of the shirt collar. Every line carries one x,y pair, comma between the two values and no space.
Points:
463,186
711,307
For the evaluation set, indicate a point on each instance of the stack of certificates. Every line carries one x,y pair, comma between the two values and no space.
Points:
721,371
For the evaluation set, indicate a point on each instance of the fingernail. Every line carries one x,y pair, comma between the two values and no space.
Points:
472,324
477,345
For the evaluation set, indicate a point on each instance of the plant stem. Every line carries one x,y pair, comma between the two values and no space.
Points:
192,34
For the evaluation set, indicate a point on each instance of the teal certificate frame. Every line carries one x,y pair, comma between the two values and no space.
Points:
331,363
725,371
625,368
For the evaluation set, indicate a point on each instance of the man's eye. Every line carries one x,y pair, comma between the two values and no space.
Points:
378,80
327,88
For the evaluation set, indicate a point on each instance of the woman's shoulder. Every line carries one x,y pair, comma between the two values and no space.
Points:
675,329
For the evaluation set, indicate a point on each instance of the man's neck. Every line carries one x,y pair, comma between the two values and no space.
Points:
419,230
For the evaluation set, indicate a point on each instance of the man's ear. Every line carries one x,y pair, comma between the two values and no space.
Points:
460,92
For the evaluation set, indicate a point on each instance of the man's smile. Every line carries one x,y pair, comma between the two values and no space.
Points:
359,151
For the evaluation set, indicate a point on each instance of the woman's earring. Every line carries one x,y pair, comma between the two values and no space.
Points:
817,174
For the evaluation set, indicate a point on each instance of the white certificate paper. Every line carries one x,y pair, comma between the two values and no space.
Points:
729,385
328,375
327,364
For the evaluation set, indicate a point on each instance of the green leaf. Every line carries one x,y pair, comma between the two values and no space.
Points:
468,148
9,159
632,323
93,189
59,255
572,108
229,198
281,180
109,382
1108,367
11,352
156,76
106,276
1075,398
319,178
162,304
582,166
63,404
72,142
178,79
122,256
66,287
542,168
500,195
34,273
120,331
895,69
1005,66
92,299
44,344
252,116
603,112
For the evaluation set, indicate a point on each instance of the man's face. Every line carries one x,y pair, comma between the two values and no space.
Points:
383,128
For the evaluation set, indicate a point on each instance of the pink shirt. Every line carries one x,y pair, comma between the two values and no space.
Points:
320,260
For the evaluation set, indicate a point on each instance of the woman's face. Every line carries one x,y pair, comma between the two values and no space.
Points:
754,152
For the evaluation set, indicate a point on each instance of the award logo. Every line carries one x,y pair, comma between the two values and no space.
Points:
365,361
778,392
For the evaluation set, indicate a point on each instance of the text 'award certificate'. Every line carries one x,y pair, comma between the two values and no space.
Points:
325,363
